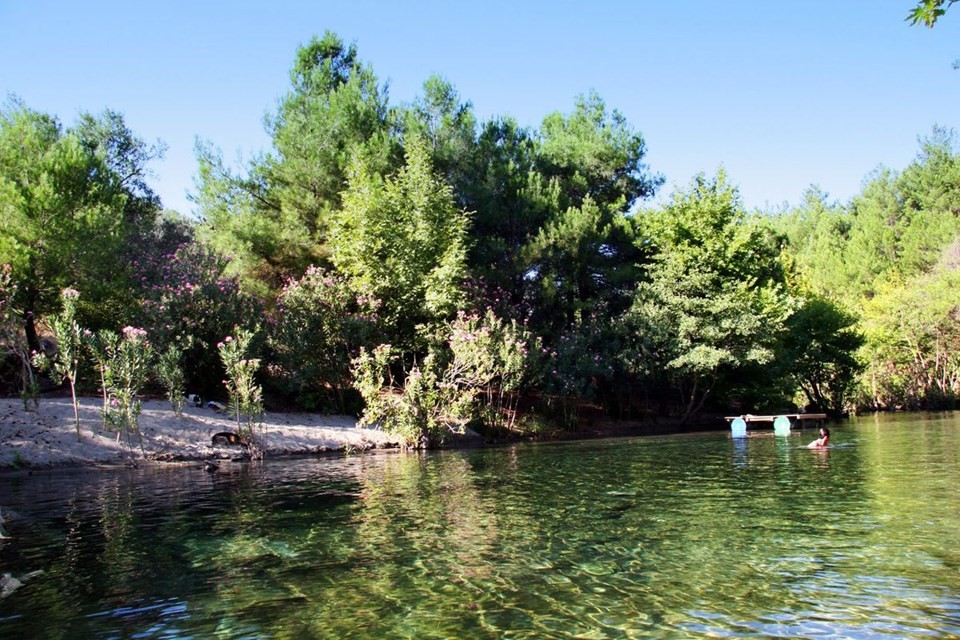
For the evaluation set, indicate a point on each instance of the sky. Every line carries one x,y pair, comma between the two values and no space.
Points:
781,95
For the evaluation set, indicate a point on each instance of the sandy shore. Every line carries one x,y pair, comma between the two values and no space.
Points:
47,436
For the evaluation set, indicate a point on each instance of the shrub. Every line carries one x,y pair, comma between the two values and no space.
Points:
245,396
320,325
185,296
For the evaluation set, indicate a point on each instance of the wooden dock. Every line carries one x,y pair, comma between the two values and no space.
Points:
793,416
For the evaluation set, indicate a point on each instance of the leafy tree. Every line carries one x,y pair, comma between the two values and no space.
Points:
511,204
913,342
582,260
245,395
275,217
583,255
403,241
449,130
128,364
874,248
820,346
13,341
595,154
68,199
816,235
423,410
490,358
573,365
900,224
188,301
714,300
930,191
473,374
169,372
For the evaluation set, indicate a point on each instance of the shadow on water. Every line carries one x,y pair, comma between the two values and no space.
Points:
656,537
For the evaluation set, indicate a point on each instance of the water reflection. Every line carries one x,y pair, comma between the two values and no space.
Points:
658,537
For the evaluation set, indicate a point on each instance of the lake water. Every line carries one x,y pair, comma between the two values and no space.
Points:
659,537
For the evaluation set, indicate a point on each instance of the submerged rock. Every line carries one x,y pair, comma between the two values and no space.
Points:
8,584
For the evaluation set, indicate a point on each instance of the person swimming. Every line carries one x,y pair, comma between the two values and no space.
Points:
822,441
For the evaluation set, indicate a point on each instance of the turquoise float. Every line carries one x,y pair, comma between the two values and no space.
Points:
738,428
781,426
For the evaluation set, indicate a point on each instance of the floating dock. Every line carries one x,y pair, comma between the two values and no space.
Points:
791,416
781,423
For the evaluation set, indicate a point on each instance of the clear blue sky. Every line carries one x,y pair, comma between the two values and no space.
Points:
781,94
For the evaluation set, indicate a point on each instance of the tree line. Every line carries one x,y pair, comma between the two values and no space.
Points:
426,270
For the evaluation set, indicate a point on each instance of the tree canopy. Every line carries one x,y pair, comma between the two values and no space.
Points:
446,270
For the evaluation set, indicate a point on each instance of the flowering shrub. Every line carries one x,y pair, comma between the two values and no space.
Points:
169,371
186,295
421,410
127,373
489,357
477,375
245,394
320,324
66,333
102,346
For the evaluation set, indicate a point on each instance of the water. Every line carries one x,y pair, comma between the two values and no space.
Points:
665,537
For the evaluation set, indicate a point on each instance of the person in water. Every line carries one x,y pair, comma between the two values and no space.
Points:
822,440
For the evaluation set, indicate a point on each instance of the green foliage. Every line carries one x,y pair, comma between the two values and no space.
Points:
595,154
511,204
580,358
245,395
67,200
169,371
403,241
102,346
66,333
188,302
913,343
128,366
448,128
490,361
816,232
714,300
274,217
927,12
420,410
13,341
585,258
321,323
475,376
820,346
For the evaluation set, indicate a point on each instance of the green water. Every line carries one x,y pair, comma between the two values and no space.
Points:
665,537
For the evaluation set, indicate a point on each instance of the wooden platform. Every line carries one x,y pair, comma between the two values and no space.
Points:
793,416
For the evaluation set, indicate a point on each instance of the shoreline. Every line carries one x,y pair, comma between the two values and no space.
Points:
45,437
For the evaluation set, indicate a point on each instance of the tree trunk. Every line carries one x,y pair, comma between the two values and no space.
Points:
30,330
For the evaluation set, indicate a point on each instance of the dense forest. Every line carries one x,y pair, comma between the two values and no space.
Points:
423,269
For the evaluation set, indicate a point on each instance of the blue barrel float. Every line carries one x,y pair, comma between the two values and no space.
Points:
738,428
781,426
